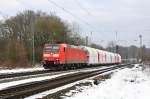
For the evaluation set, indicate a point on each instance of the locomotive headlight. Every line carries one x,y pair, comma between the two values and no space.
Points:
45,58
46,55
55,55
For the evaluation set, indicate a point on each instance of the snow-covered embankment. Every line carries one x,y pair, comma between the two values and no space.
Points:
128,83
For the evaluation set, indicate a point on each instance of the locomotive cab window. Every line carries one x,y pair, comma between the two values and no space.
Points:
51,49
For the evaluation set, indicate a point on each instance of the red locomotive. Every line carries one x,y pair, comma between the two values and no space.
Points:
61,55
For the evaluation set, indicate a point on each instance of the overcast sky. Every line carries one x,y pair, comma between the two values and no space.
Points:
129,18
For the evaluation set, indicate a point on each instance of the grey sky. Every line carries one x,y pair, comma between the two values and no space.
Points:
128,17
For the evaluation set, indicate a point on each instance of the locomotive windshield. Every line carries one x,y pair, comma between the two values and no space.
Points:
51,48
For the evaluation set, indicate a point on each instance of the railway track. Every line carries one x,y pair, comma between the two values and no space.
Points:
27,89
21,74
9,77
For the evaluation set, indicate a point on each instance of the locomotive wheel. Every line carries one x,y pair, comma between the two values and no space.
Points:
45,66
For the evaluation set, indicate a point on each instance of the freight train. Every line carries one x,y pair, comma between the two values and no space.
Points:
65,56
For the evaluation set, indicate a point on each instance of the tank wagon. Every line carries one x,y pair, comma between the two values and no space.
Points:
64,56
101,57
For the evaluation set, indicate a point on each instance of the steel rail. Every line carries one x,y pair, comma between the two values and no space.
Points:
24,90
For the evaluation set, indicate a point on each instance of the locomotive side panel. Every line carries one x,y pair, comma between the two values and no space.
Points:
75,55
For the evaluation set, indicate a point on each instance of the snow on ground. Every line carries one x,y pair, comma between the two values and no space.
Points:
45,93
20,70
125,84
13,83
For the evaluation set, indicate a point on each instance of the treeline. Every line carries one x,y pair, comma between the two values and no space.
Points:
17,32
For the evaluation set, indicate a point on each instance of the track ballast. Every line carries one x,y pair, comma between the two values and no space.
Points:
27,89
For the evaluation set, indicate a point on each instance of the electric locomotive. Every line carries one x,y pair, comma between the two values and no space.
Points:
63,56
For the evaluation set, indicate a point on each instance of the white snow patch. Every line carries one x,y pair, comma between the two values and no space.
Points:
124,84
21,70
